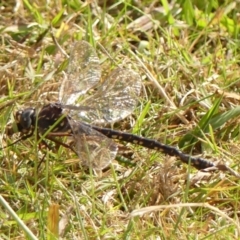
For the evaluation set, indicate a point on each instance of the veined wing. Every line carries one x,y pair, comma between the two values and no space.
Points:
83,72
93,148
115,99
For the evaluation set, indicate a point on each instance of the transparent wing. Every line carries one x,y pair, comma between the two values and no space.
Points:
82,74
115,99
94,149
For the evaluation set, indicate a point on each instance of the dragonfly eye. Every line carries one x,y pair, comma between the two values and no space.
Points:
25,119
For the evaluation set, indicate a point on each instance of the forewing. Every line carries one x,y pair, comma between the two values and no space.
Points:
115,99
83,73
94,149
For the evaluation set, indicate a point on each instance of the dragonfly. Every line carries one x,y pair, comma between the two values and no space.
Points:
82,117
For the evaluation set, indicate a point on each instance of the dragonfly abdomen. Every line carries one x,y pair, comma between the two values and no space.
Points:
197,162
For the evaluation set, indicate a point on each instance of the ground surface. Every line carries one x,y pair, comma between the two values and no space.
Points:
187,54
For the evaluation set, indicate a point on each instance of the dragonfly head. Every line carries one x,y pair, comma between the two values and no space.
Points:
24,122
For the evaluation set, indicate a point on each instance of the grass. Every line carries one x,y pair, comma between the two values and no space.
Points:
187,54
